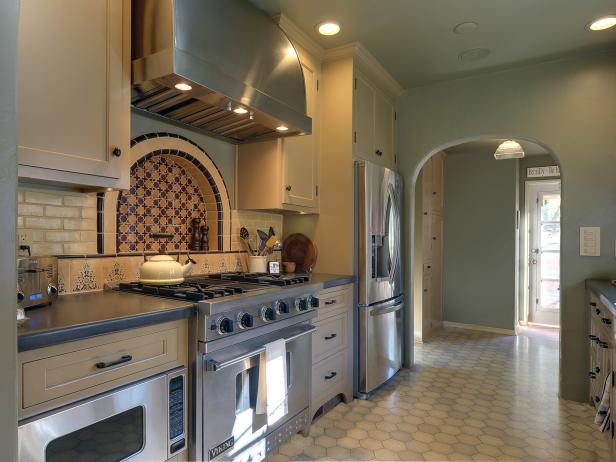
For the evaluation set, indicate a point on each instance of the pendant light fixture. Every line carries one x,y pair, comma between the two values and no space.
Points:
509,149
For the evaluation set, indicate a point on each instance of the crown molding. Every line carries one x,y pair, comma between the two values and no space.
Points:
298,36
368,64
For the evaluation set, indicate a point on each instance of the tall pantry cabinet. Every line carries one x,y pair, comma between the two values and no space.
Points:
429,197
73,92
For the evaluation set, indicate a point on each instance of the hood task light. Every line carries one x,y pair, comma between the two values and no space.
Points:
509,149
240,110
282,128
183,86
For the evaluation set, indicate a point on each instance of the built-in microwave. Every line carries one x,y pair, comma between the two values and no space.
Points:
142,421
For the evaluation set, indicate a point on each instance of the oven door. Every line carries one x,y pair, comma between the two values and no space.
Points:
126,424
231,385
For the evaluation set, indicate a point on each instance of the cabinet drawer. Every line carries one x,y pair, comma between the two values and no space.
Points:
334,300
59,375
331,335
328,374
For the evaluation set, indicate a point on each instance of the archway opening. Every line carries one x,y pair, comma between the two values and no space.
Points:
486,241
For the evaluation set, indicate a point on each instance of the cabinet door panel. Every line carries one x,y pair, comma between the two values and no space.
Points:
300,166
72,85
384,129
363,114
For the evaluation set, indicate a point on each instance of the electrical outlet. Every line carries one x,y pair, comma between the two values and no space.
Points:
22,238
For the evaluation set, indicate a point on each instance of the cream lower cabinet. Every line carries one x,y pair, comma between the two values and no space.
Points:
282,174
73,92
332,348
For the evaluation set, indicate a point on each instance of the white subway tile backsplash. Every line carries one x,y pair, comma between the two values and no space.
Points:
37,197
42,223
62,236
85,224
64,212
31,210
83,200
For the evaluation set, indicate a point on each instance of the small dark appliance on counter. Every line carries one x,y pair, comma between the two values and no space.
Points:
37,280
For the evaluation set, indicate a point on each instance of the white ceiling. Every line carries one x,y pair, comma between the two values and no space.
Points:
414,39
488,146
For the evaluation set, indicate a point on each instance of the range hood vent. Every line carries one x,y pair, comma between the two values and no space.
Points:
231,55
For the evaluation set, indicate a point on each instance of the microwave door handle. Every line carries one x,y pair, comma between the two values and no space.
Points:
212,365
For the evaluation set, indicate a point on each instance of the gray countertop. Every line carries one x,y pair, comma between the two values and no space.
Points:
77,316
605,291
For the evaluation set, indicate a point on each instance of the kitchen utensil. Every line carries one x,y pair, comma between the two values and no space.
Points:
269,244
163,270
264,237
271,232
288,266
257,264
245,236
301,250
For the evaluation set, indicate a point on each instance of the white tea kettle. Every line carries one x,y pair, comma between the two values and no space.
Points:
163,270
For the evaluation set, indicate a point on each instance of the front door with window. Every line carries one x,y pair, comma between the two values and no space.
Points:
543,208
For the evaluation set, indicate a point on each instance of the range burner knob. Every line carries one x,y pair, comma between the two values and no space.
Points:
301,304
267,314
224,325
245,320
281,307
313,302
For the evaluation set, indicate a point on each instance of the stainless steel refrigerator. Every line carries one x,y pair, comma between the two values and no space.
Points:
381,297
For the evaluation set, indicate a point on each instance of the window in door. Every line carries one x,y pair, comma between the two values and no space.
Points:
543,208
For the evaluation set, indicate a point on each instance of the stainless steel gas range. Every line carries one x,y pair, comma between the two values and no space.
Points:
238,317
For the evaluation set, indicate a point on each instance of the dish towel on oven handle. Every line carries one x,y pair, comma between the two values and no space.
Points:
272,397
603,417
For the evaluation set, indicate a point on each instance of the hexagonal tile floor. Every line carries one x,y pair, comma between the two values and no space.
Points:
474,396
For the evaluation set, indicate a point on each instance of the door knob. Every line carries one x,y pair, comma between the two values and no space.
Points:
116,152
288,188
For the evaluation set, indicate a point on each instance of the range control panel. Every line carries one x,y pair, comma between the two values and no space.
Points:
253,316
177,412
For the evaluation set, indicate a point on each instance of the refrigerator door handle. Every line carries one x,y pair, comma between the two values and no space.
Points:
394,206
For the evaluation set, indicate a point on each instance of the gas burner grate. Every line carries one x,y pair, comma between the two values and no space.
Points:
265,278
186,291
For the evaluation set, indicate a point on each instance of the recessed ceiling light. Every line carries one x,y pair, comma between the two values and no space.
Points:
474,54
509,149
282,128
328,28
183,86
602,23
465,28
240,110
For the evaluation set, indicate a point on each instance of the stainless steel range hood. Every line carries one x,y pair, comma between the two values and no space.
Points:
231,55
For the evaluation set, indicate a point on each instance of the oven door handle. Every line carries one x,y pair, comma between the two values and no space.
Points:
213,365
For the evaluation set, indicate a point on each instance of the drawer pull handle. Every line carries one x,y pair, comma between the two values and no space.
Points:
592,375
331,302
603,344
330,376
329,337
606,321
598,311
593,337
597,369
123,359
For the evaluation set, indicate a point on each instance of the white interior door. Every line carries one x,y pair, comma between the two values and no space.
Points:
543,209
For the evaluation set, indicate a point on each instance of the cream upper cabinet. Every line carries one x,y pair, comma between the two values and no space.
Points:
73,92
373,123
282,174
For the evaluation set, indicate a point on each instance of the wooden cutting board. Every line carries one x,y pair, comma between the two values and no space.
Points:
301,250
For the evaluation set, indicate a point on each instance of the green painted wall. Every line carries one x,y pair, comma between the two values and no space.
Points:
479,249
221,152
566,105
9,14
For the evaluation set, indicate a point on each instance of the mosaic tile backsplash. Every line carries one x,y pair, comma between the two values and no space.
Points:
163,198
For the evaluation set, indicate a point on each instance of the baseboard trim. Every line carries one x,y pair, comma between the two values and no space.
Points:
495,330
